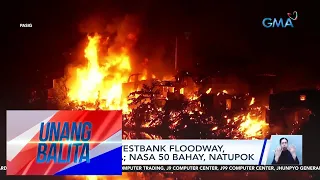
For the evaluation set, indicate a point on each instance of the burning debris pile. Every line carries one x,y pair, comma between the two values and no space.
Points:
194,116
154,105
151,105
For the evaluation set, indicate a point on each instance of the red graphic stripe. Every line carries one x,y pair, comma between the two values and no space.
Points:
104,125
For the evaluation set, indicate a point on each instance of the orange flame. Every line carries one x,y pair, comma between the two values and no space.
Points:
100,81
99,84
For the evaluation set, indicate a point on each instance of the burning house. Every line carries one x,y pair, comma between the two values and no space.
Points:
107,73
289,110
216,105
187,106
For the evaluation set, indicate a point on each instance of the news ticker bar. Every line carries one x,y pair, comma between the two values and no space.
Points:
208,168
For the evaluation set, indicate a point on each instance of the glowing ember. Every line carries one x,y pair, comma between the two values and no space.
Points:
209,90
302,97
252,101
253,126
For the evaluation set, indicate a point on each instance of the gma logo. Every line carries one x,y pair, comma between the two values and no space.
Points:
277,23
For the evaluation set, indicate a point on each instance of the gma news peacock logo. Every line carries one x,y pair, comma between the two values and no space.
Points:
281,22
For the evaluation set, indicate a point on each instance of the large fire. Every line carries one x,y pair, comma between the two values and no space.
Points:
99,85
101,80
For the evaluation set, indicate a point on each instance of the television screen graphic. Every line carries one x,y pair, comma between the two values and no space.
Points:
64,142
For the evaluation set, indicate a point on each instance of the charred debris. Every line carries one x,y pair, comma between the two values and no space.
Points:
167,110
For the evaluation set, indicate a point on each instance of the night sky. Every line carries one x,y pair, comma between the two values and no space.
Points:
225,36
